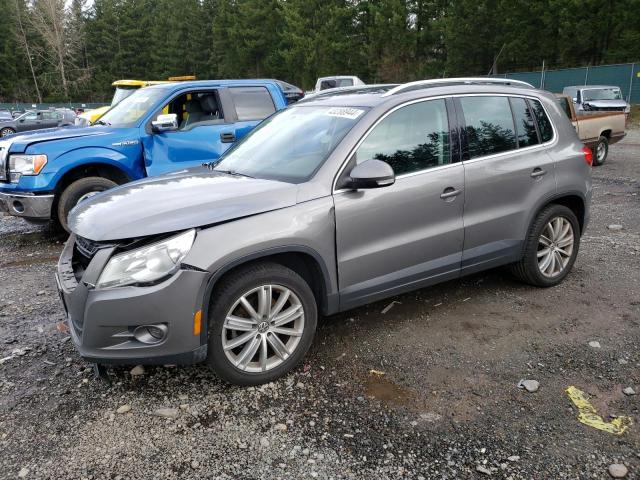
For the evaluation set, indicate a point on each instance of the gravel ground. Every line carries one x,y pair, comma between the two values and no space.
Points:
446,404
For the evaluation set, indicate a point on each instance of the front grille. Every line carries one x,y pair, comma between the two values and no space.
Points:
608,109
4,150
83,252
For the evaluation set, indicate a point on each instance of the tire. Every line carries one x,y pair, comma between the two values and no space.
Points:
75,192
228,364
528,269
600,151
6,131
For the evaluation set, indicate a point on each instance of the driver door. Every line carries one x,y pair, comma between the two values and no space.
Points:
204,133
30,121
410,234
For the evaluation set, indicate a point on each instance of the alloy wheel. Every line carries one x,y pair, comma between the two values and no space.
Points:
263,328
555,247
601,151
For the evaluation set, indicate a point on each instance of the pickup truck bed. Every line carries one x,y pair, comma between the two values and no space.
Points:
597,130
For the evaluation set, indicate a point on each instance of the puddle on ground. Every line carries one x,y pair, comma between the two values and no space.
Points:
386,391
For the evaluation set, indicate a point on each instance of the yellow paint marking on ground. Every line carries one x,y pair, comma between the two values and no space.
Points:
588,415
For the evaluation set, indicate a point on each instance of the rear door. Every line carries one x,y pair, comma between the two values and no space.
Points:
51,119
409,234
507,171
250,105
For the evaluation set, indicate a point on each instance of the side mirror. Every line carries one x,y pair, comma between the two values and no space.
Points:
165,123
371,174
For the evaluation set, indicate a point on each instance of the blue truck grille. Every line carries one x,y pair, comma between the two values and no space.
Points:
4,150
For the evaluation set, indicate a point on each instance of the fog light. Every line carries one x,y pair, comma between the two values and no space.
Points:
151,334
18,206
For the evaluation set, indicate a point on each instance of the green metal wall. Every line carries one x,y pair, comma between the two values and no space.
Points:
624,75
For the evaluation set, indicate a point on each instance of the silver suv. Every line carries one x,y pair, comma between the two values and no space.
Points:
332,203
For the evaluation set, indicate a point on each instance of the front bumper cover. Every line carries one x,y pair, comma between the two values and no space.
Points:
33,207
101,320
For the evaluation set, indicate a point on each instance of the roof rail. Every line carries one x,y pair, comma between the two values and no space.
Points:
443,82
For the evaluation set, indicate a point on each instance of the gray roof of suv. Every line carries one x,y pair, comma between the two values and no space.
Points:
366,99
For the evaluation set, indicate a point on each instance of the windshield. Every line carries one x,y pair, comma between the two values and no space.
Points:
120,94
291,145
602,94
132,108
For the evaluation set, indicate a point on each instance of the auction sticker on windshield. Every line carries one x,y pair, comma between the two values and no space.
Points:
345,112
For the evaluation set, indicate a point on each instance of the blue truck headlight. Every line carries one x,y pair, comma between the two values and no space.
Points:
147,264
26,164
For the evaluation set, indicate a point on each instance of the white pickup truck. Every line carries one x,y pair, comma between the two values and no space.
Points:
597,130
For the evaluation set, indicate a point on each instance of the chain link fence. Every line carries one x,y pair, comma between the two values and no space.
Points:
623,75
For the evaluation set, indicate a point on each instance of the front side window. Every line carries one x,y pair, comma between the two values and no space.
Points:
544,124
252,103
525,124
412,138
195,109
292,144
489,125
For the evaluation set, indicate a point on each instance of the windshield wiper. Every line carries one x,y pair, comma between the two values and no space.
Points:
233,172
101,122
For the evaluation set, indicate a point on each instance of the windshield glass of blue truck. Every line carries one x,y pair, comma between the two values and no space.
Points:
291,145
130,110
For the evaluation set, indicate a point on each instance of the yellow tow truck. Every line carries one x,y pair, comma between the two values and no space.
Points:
124,88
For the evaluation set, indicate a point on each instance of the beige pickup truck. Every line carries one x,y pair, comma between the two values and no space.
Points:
597,130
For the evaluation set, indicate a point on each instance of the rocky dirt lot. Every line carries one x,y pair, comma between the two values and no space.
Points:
444,404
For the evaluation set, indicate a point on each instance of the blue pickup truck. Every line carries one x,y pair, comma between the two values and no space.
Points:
155,130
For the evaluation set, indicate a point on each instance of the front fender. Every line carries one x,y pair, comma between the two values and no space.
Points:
57,168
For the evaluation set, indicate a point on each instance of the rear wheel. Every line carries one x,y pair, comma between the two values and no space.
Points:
601,151
262,322
551,247
6,131
77,192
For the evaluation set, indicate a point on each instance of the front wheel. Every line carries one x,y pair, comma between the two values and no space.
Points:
601,151
551,247
6,131
77,192
261,324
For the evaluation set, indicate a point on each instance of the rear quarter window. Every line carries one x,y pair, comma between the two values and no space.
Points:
544,124
252,103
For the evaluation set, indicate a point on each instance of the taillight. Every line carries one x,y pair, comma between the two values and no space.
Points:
588,156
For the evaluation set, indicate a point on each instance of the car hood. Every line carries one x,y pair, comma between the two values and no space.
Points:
607,103
177,201
22,140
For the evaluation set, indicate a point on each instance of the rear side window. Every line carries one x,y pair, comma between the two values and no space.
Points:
252,103
544,124
525,124
489,125
413,138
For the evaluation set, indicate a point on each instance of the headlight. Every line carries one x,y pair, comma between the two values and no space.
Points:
27,164
147,264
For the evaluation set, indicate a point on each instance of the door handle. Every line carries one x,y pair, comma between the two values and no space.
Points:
227,137
450,192
538,172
